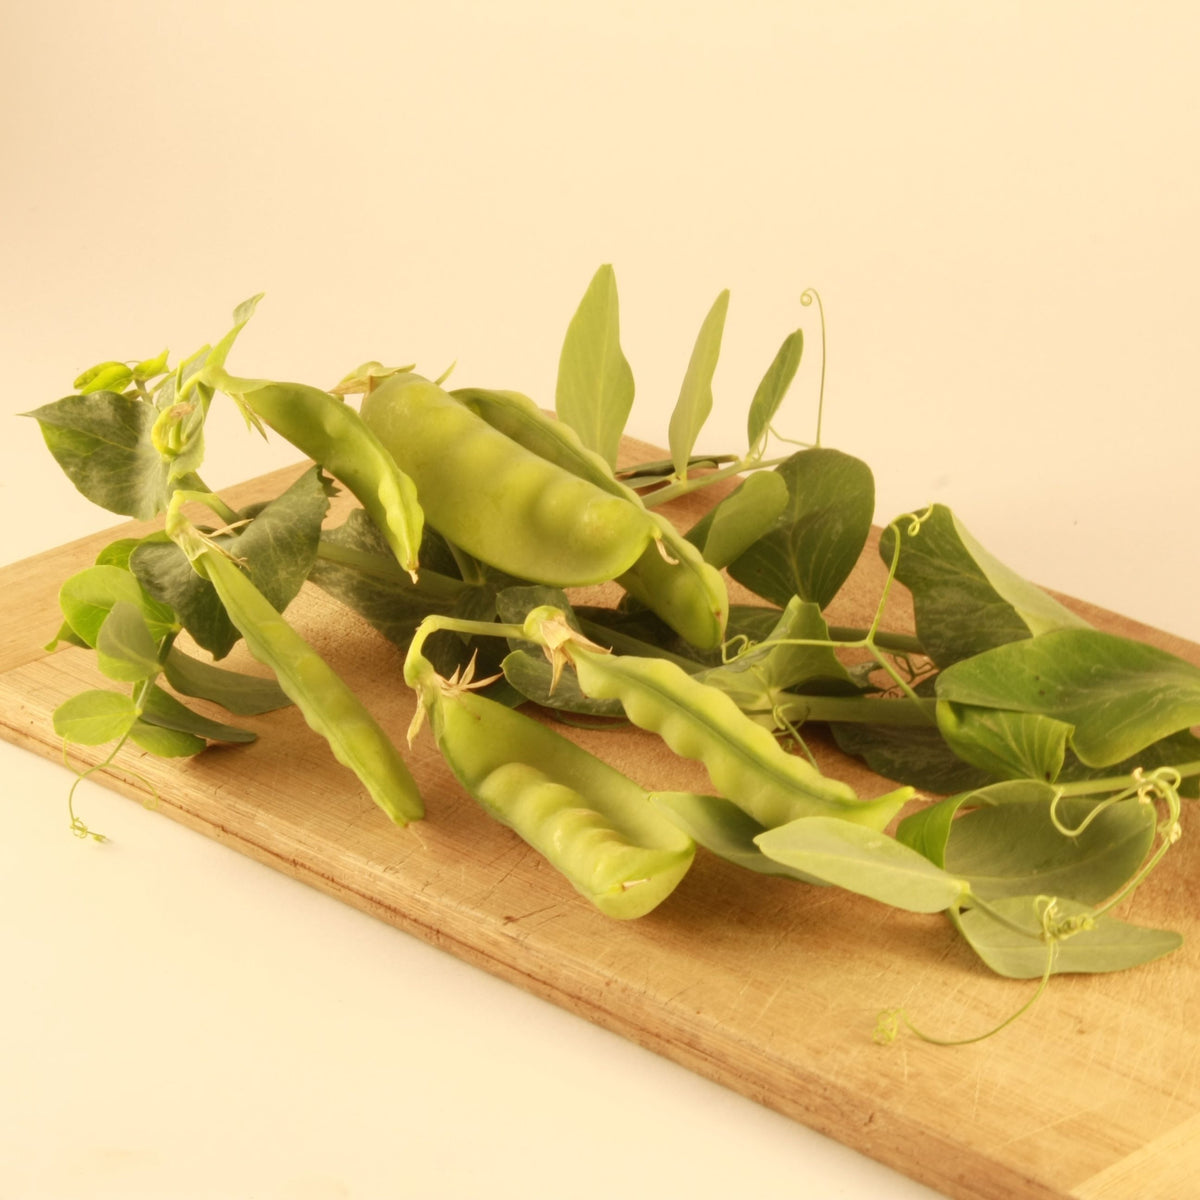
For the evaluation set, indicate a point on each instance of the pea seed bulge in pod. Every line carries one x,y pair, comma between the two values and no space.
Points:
1036,767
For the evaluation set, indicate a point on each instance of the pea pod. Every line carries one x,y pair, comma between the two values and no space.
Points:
333,434
590,822
502,503
328,705
744,761
678,585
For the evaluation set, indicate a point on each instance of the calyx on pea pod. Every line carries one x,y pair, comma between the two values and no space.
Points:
481,515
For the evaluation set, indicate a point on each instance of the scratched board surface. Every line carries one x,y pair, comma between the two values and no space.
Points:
769,987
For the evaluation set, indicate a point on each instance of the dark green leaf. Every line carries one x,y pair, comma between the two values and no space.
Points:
531,675
125,648
964,600
1120,695
166,743
916,755
819,536
278,549
102,442
1003,840
162,709
773,388
246,695
358,569
1111,945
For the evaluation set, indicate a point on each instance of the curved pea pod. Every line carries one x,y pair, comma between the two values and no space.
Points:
671,576
333,434
744,761
327,704
590,822
501,503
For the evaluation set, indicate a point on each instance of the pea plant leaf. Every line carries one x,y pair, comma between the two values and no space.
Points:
864,861
758,678
103,443
966,601
772,389
125,648
1110,945
165,743
595,386
914,754
1119,695
1008,745
725,830
730,528
95,717
1003,840
245,695
817,539
162,709
695,395
356,567
87,597
278,547
104,377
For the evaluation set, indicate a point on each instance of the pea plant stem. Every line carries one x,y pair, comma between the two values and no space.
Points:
864,710
693,483
431,583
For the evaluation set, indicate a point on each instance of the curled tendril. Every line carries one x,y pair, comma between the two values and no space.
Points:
782,721
808,297
890,1020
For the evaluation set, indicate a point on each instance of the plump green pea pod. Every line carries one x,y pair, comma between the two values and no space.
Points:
333,434
502,503
688,593
744,761
328,705
590,822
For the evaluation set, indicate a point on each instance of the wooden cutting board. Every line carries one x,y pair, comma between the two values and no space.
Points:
769,987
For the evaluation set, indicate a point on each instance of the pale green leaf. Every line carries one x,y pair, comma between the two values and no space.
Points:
95,717
695,395
595,388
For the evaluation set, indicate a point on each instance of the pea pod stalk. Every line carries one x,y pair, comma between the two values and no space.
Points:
593,824
327,704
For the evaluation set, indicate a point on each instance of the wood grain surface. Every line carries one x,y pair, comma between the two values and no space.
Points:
767,986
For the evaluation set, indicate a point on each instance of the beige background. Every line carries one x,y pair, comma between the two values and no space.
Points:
999,205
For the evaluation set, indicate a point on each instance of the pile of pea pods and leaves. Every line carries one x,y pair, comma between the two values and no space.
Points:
1042,762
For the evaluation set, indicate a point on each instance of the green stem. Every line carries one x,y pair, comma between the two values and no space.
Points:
1119,783
901,643
382,567
865,710
624,643
693,483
